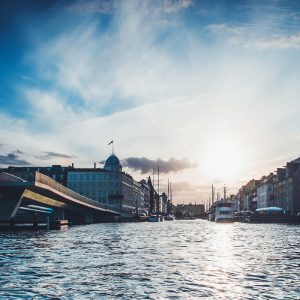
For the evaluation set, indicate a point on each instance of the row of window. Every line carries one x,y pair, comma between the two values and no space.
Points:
82,176
89,193
93,185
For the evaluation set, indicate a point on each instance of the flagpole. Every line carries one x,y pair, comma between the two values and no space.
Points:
112,146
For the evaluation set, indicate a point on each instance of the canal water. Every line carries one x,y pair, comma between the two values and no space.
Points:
167,260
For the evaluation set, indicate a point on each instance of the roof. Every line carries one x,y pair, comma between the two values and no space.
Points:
112,161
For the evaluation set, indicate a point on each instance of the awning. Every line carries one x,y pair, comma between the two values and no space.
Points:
272,208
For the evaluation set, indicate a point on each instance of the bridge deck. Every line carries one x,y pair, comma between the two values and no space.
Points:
48,187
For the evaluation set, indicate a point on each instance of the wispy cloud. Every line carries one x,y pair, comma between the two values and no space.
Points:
278,42
108,6
173,6
243,36
145,165
47,155
13,159
92,6
229,33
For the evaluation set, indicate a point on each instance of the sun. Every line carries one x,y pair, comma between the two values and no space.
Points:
223,160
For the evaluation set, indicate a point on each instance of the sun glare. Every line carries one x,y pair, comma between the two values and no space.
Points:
223,160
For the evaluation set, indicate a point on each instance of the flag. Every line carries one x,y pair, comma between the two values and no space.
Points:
110,142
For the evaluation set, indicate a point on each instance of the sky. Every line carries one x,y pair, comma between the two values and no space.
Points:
208,90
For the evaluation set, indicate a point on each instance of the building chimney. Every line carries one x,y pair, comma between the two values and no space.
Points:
94,165
72,165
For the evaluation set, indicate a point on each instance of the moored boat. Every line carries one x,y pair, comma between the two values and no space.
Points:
169,218
224,212
153,218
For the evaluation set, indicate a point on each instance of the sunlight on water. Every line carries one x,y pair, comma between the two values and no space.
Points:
167,260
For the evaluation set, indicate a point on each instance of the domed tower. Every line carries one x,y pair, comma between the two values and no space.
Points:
113,164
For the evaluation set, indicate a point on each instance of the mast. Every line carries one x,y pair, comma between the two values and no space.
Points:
158,180
153,177
158,206
168,189
171,196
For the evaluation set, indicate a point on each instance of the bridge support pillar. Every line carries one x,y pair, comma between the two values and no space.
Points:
9,202
88,219
59,214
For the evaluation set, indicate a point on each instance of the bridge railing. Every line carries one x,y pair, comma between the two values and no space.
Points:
41,178
6,177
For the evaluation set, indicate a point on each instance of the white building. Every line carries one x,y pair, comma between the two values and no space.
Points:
108,185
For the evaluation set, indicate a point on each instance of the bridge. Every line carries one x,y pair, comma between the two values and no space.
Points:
46,195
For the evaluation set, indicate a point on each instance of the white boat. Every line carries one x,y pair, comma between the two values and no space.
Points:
169,218
224,212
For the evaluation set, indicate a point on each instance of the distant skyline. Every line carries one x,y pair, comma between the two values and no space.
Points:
209,90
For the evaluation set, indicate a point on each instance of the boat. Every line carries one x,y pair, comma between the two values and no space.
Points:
224,212
211,214
169,218
153,218
211,209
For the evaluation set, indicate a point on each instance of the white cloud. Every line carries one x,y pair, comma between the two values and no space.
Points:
231,34
92,6
278,42
156,95
172,6
243,36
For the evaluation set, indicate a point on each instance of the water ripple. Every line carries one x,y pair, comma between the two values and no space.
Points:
168,260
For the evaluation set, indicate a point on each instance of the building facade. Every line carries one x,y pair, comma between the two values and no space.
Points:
265,197
280,189
56,172
108,185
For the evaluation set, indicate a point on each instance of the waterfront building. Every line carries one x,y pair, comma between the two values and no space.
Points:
145,189
56,172
108,185
287,187
280,189
138,198
247,194
154,198
265,197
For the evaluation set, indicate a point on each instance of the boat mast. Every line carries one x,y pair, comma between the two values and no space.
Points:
153,177
158,204
171,196
168,189
225,192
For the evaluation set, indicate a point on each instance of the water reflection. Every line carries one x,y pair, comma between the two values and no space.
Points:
168,260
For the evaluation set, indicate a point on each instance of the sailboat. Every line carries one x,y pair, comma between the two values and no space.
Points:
169,216
155,217
212,208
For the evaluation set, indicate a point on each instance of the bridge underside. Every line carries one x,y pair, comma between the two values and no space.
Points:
14,199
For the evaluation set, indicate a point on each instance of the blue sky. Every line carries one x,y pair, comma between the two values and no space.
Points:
212,84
